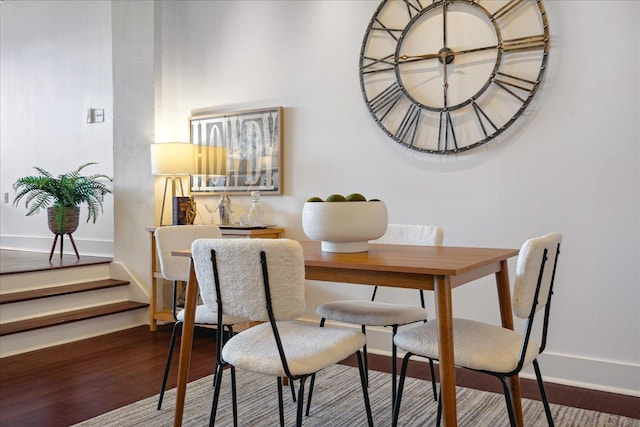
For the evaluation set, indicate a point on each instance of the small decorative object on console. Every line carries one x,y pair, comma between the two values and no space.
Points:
256,214
224,210
184,210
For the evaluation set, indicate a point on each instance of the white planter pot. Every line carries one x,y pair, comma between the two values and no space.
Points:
344,226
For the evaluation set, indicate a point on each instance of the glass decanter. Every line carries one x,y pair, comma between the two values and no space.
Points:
256,214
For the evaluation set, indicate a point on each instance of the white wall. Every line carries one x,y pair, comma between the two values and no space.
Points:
571,164
133,100
56,63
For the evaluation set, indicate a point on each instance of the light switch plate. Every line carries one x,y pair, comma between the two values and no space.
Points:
95,115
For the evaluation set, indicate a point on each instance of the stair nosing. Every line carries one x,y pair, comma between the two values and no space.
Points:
69,317
52,291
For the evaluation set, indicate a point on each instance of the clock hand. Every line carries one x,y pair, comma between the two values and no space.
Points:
443,54
413,58
444,25
477,49
445,85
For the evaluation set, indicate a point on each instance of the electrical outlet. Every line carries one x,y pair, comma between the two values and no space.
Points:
6,197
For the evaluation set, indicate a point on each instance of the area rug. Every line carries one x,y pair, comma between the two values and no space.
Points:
337,401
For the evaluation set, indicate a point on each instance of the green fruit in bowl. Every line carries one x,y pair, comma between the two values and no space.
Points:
374,200
356,197
315,199
336,198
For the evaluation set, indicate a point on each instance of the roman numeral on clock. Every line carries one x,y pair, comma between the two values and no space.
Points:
446,130
515,86
409,125
384,102
482,118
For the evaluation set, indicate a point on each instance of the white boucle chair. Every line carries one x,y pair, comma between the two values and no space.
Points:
176,269
374,313
492,349
263,280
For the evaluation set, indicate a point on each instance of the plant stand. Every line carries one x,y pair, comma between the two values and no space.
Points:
53,247
63,221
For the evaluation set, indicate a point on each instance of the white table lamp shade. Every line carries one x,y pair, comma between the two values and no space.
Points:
173,158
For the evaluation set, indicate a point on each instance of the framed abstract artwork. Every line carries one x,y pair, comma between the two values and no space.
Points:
238,152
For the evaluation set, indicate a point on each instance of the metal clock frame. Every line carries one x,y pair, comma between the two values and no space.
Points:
384,102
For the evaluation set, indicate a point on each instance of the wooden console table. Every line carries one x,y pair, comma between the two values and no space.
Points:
157,312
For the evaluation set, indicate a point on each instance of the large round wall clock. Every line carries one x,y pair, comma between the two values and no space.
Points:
448,76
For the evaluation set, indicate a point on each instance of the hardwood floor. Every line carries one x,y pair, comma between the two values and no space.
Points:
67,384
12,262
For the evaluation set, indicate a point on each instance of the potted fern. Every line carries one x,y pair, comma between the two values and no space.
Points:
62,196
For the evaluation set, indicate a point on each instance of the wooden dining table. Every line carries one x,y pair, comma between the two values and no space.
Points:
435,268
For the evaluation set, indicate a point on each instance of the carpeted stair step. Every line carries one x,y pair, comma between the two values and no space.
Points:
68,317
73,288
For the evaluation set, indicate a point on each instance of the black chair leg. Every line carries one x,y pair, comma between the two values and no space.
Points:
398,400
216,394
230,329
543,393
364,355
293,391
176,330
234,397
311,384
509,401
280,402
300,402
432,371
439,414
394,368
365,388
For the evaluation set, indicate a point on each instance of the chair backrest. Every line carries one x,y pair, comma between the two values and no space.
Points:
531,267
412,234
237,271
179,237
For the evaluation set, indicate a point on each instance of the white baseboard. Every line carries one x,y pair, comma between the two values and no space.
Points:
572,370
577,371
89,247
136,290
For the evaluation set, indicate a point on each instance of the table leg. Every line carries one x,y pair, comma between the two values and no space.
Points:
506,314
185,344
445,336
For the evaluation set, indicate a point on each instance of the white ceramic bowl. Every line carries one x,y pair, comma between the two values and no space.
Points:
344,226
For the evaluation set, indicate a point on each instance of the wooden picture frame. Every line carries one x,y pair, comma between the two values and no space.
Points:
238,152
